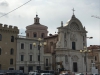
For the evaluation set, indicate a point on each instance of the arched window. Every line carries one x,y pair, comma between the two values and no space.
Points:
42,35
34,34
12,51
0,51
11,61
12,38
0,37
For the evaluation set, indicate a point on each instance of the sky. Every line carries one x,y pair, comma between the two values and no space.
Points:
51,13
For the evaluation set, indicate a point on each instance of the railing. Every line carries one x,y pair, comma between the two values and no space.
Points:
29,62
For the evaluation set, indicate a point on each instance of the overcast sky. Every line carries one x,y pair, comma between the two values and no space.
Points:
51,13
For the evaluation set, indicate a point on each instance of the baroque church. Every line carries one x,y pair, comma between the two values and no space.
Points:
72,38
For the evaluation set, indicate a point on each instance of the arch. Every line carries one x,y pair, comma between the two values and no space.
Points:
75,20
74,26
34,34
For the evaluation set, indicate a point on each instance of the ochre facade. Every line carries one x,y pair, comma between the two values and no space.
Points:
8,46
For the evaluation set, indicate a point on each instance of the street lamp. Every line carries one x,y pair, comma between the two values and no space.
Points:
39,46
85,51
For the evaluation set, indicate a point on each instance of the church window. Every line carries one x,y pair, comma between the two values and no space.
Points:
22,57
30,57
34,35
12,38
75,66
73,45
30,46
22,45
0,37
42,35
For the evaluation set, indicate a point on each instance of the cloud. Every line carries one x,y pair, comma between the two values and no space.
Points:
4,4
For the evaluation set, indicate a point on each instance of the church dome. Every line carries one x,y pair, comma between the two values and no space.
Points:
36,30
36,24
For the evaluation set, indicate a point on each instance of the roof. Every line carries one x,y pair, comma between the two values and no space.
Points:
94,47
51,36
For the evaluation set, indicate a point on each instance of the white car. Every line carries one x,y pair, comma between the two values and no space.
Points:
33,73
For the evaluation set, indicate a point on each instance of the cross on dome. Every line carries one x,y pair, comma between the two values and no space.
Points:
73,11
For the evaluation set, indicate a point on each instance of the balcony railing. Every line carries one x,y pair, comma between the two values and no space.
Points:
29,62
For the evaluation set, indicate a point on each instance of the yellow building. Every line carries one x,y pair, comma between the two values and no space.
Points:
8,47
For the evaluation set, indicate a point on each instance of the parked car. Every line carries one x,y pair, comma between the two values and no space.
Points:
2,73
47,74
33,73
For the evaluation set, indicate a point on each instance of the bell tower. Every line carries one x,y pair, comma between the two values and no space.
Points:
36,20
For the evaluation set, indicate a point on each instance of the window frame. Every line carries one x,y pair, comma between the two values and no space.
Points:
22,58
30,57
30,46
23,46
73,46
11,61
11,51
12,38
34,35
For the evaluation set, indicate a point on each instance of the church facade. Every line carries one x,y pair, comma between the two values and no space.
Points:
71,39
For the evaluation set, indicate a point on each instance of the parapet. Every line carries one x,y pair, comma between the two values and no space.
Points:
8,28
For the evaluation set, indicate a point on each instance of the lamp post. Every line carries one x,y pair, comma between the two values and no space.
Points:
85,51
39,46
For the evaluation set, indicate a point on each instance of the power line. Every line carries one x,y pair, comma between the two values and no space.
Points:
95,17
15,9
